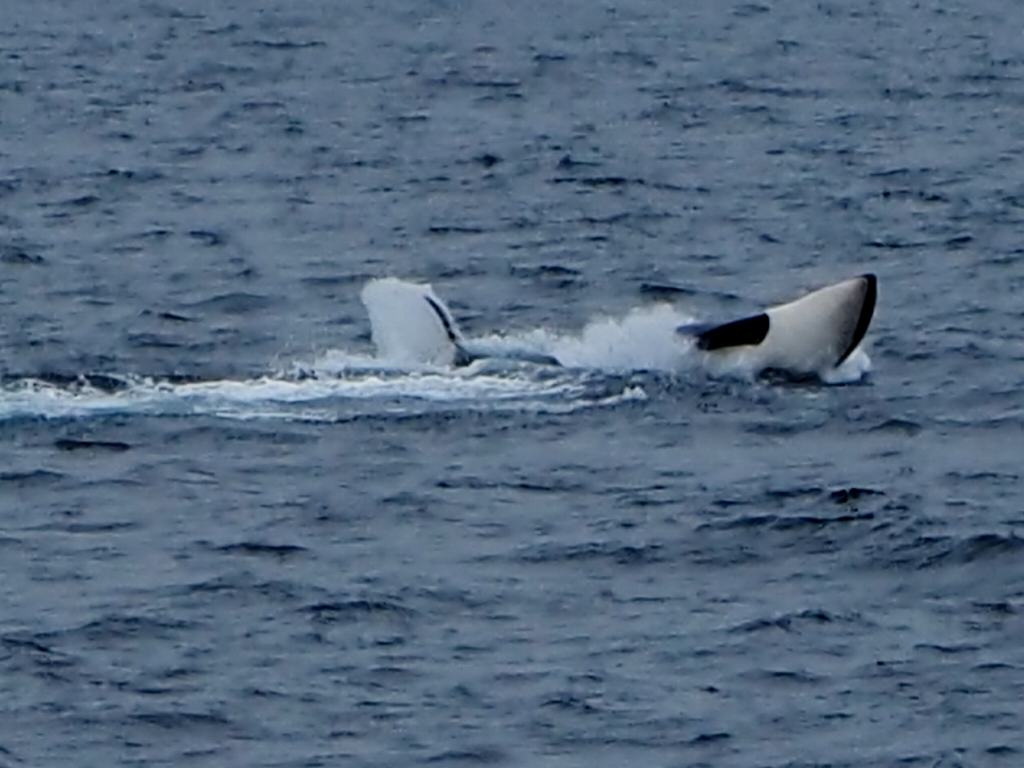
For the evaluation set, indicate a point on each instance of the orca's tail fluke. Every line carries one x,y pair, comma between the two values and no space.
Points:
411,325
811,335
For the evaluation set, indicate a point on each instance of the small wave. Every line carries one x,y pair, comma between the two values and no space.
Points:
981,547
897,426
620,554
185,721
788,676
125,627
30,478
72,444
787,522
474,755
359,610
796,621
260,549
942,551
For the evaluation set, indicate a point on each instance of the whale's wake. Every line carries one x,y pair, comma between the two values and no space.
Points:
315,397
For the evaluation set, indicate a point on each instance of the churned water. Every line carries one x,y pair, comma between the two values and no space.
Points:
234,533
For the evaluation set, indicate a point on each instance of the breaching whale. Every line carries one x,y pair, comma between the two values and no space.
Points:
810,336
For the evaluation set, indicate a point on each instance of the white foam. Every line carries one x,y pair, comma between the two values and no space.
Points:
314,397
644,340
853,368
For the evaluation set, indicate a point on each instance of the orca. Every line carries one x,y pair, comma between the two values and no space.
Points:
810,336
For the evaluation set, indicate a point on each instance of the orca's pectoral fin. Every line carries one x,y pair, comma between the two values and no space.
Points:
737,333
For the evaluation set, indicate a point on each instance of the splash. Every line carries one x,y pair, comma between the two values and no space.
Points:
645,339
853,369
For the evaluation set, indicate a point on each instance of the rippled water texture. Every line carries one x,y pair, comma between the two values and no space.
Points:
234,533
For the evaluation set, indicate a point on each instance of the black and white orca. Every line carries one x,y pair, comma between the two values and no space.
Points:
810,336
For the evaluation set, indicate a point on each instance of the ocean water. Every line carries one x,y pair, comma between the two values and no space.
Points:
235,532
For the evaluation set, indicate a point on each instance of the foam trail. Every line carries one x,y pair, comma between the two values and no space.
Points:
313,397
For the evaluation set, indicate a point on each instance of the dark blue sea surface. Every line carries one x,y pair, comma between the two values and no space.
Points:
233,535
